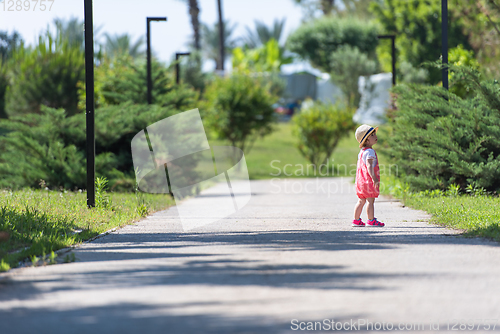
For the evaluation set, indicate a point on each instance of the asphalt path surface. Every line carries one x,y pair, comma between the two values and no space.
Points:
287,261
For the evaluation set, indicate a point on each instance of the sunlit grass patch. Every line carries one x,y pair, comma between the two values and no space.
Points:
475,213
276,155
37,222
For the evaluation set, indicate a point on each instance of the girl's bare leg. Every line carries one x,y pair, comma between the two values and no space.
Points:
370,209
359,208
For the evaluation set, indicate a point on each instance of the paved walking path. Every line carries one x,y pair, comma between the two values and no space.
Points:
289,254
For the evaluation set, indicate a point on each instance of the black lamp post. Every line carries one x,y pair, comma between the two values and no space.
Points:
220,66
89,91
177,67
444,38
150,82
393,39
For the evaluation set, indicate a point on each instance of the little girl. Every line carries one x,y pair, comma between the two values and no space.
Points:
367,175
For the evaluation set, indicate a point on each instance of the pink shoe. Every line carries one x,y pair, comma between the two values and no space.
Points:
375,222
358,222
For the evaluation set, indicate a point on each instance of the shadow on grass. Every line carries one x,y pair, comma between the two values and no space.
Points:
31,232
491,232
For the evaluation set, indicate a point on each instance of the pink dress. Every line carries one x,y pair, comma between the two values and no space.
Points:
365,187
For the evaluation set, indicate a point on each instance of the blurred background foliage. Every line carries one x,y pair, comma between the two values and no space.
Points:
42,90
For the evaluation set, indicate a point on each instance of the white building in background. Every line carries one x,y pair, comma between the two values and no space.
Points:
300,86
328,92
305,81
375,98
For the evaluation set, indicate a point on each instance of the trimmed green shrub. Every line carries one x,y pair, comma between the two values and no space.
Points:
42,135
239,109
320,128
45,75
123,79
52,146
439,139
34,150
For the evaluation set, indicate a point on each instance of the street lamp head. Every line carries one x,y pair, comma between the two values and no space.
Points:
386,36
157,18
148,53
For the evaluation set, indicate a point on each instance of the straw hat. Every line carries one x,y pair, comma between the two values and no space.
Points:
363,132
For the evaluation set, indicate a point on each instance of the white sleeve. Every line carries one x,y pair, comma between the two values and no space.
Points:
369,154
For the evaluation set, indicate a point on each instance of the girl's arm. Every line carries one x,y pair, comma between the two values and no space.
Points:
371,170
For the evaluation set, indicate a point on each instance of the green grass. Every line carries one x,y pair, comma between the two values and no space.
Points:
474,215
271,155
38,222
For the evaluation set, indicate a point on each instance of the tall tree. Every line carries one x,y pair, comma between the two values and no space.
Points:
417,25
210,40
316,41
480,20
194,12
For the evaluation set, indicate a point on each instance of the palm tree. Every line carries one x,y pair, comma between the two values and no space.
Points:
263,33
122,44
210,40
194,12
71,30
